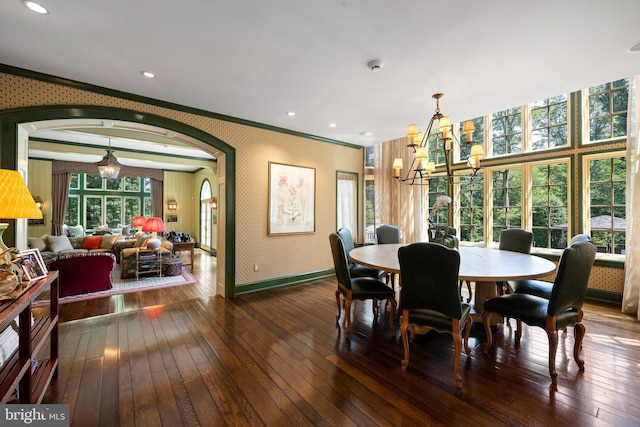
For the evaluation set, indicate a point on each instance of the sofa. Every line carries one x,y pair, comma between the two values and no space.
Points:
83,272
51,247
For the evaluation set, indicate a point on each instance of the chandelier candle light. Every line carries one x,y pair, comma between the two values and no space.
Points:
421,168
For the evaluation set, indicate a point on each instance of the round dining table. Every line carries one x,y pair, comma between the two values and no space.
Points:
484,266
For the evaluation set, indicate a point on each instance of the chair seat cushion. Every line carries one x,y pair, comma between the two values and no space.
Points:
531,309
368,288
439,321
538,288
358,270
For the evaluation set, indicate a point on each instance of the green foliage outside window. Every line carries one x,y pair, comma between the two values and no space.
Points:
608,110
507,131
549,194
507,200
472,208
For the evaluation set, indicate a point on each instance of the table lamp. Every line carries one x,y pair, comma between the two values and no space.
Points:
139,222
154,225
15,200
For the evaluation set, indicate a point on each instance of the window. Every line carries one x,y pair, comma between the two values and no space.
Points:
549,123
94,201
434,150
370,214
206,199
608,110
347,202
507,200
471,200
507,132
607,203
437,187
549,203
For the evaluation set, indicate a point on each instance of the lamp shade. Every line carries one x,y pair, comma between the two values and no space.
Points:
15,199
138,221
154,224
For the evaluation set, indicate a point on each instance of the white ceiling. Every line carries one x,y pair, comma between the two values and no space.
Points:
257,59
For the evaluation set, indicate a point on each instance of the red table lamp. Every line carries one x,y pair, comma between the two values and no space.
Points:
154,225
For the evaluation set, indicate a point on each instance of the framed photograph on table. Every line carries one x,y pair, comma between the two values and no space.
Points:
292,195
32,265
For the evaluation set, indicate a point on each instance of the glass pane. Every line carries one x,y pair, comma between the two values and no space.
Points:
132,208
147,185
75,181
600,170
558,195
540,217
601,193
619,125
114,211
599,104
72,215
114,184
619,193
93,182
131,184
93,211
147,206
514,217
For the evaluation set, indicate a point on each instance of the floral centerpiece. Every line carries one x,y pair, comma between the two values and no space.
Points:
439,232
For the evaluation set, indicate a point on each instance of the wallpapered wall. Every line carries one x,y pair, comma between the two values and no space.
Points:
276,256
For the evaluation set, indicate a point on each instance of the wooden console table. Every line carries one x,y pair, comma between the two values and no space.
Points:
185,246
17,370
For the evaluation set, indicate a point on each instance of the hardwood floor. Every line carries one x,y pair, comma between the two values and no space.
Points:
183,357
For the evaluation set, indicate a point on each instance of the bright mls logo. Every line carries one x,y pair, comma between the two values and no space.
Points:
49,415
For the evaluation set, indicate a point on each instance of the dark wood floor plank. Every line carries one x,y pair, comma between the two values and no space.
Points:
180,356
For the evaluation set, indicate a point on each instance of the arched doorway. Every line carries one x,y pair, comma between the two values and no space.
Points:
17,124
208,220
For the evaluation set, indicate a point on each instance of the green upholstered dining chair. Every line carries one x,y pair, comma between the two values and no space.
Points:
514,240
358,288
430,298
562,309
540,288
357,270
388,234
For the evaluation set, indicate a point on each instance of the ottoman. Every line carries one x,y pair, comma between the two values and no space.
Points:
172,266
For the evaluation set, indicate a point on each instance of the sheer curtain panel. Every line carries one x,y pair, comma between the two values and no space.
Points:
347,211
631,296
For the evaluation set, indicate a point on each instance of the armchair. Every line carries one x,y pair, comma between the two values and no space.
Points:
562,309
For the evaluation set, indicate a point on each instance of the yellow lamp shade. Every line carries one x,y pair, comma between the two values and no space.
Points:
397,163
445,125
412,133
15,199
431,166
477,151
421,153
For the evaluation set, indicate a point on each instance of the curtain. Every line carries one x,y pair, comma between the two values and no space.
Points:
157,196
631,295
397,204
347,214
60,200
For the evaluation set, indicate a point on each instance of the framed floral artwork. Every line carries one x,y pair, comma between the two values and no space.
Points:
292,196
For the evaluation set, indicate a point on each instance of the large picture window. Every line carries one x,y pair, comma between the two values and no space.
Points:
608,110
94,201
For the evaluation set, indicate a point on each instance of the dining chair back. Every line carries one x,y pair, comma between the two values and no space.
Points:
541,288
515,240
387,234
357,288
430,297
562,309
357,270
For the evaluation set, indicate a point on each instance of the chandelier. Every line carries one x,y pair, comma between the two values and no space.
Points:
109,167
421,168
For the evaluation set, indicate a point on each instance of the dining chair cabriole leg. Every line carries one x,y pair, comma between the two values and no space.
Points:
579,331
339,308
392,314
518,331
404,326
486,321
347,311
553,348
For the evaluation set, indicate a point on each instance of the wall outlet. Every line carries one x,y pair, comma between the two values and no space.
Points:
255,267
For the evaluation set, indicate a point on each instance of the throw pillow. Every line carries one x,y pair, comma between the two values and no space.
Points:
108,241
141,240
76,230
102,227
126,229
37,243
92,242
59,243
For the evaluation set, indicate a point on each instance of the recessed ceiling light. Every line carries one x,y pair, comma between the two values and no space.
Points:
291,114
332,125
148,74
634,48
36,7
366,133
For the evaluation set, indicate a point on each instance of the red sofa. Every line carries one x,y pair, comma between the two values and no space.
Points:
83,273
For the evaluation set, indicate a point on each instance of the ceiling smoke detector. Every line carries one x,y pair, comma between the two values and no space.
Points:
375,65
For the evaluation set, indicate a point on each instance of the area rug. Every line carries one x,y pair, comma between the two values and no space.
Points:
125,286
